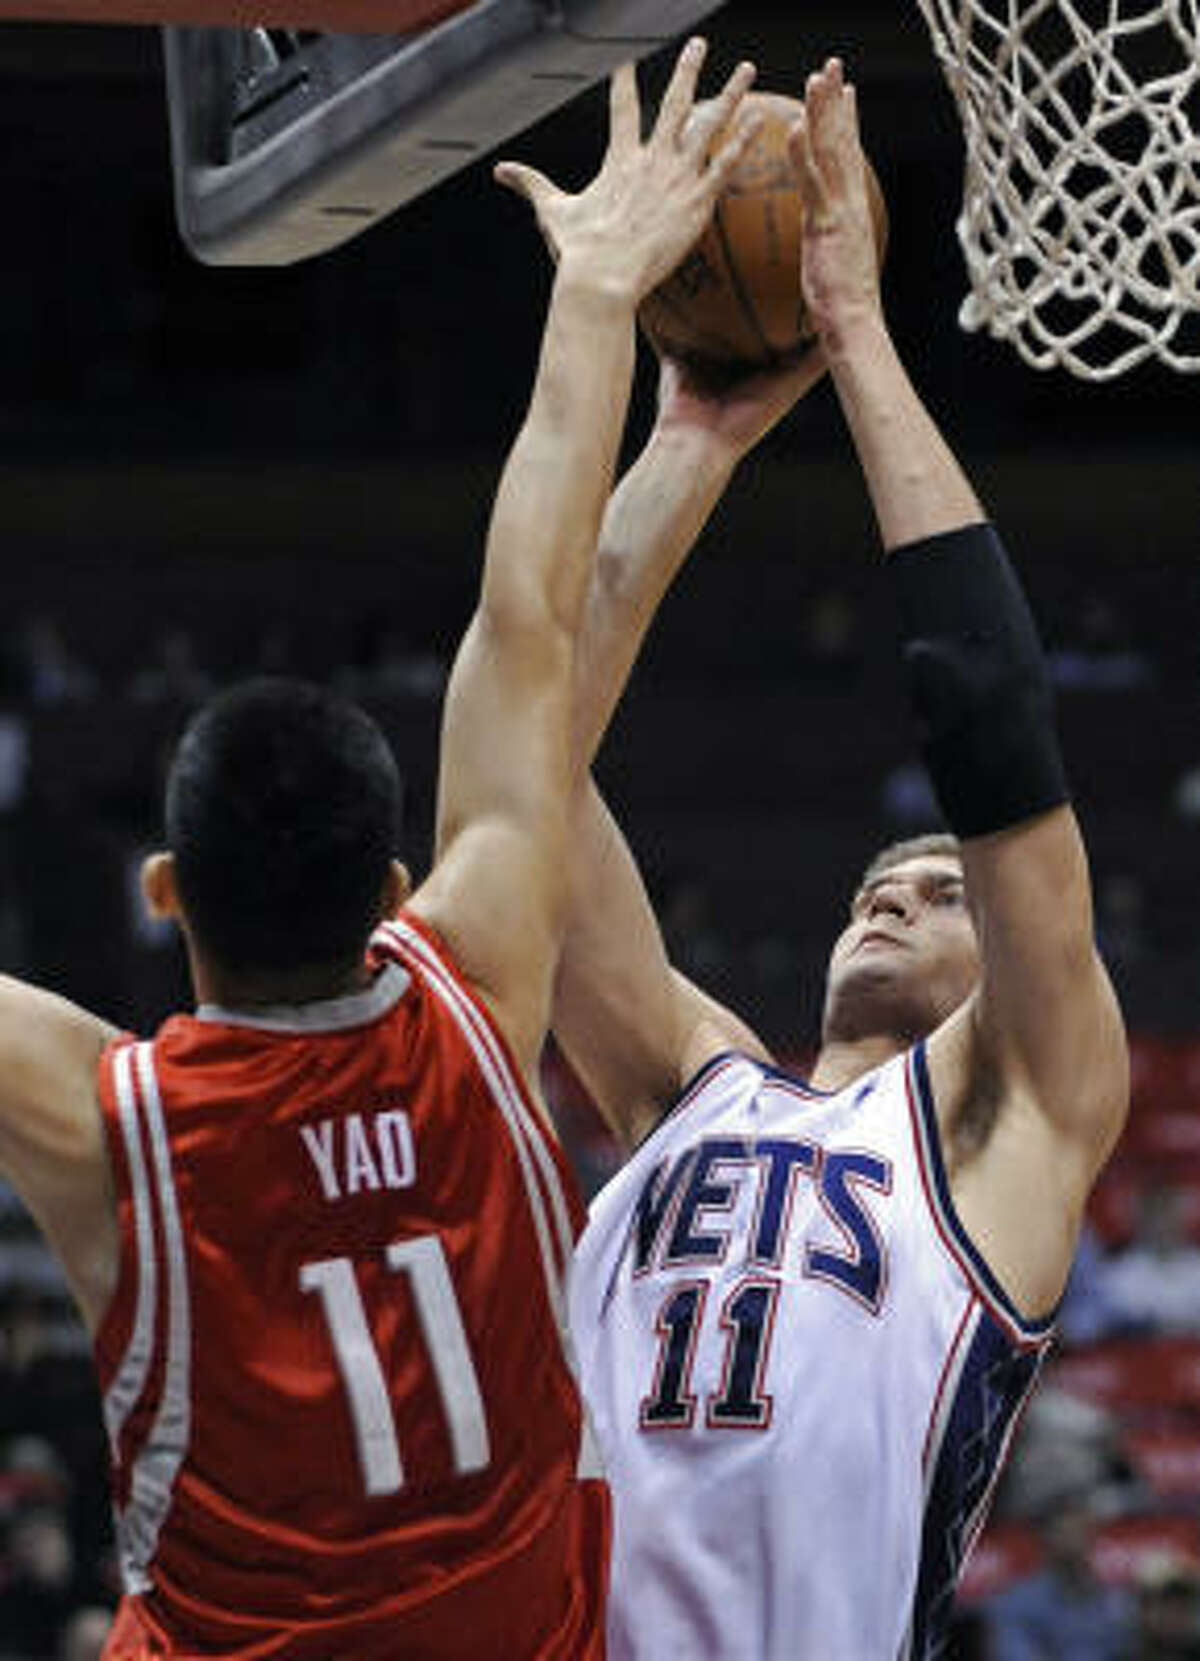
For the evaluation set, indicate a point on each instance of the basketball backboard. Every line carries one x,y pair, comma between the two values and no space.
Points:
353,16
287,142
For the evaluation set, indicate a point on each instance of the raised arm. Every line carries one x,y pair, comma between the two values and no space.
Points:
634,1029
508,764
1031,1077
52,1146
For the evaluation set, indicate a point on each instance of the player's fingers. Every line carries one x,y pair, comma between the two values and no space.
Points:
624,109
812,187
817,106
853,129
708,121
731,150
535,187
680,95
826,109
843,163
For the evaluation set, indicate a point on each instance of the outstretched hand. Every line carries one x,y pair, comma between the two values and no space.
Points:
650,201
840,259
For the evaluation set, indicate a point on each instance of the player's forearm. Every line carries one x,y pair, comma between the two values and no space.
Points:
551,498
916,485
613,1010
651,524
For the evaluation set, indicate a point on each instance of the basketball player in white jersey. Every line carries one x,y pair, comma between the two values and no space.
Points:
318,1229
807,1312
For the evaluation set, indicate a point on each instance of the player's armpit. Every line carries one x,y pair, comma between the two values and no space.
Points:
52,1143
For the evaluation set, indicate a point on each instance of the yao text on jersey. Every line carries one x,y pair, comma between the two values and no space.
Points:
802,1377
343,1422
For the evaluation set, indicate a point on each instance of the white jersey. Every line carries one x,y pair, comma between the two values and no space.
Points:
802,1375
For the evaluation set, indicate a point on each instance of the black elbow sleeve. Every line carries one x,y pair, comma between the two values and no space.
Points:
977,681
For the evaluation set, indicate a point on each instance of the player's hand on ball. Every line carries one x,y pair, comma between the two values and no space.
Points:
735,410
650,200
840,262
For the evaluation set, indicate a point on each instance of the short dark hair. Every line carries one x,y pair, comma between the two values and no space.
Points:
283,810
939,844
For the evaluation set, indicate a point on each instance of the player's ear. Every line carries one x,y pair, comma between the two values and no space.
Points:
397,886
160,890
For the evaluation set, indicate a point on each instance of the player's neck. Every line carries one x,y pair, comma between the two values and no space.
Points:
842,1060
230,989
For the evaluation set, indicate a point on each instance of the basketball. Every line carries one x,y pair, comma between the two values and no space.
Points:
735,302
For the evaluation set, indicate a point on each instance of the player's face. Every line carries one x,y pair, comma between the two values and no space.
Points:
908,956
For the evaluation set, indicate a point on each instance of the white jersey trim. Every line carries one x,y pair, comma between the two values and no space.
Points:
525,1131
947,1392
1026,1334
979,1516
355,1009
157,1463
508,1095
129,1379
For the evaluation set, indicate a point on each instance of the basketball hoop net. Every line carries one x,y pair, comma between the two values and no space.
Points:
1080,219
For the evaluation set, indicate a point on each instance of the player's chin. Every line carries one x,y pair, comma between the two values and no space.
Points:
876,992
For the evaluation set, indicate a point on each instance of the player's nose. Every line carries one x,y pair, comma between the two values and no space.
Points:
890,899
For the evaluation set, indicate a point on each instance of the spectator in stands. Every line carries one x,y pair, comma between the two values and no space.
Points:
1153,1285
33,1475
51,672
1067,1446
830,643
1086,1313
907,800
1121,919
1064,1612
38,1583
84,1634
388,664
1100,657
1186,795
693,937
1168,1610
173,674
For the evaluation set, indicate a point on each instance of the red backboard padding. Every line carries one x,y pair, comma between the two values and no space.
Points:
389,17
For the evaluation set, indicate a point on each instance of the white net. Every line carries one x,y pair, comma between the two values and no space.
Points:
1081,201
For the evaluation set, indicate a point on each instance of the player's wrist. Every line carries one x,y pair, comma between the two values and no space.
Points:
602,288
853,331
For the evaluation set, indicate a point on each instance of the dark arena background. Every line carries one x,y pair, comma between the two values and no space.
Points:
206,472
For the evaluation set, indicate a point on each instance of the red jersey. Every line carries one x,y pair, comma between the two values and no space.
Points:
337,1387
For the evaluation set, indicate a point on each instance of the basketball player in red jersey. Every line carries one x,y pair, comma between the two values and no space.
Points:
319,1228
807,1312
